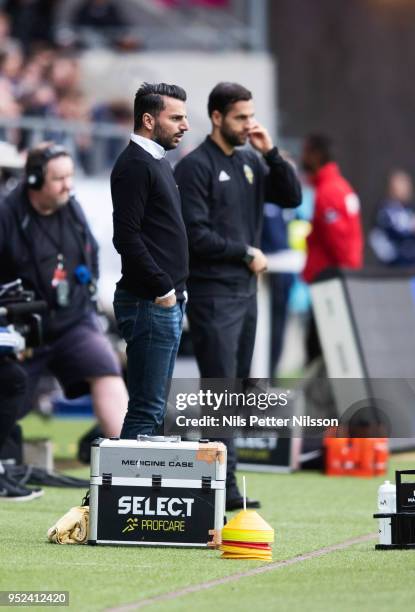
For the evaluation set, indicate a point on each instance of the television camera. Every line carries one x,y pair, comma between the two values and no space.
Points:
20,319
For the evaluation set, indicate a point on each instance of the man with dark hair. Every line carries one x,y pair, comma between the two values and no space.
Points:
45,240
150,236
336,237
318,150
151,98
224,95
223,190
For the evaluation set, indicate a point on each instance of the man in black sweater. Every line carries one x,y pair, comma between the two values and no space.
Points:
223,190
150,236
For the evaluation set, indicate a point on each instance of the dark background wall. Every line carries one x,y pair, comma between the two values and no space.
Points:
347,67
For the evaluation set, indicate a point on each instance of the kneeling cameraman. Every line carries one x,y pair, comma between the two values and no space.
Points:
46,241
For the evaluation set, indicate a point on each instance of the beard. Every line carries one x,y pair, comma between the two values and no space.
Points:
63,200
165,139
234,139
53,206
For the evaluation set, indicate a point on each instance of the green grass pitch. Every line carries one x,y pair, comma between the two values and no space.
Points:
307,510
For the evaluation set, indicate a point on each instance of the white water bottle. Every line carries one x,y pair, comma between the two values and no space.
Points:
387,498
386,505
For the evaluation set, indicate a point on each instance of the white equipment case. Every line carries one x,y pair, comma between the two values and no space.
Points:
157,491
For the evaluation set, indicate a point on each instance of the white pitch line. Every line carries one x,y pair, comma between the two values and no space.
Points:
270,567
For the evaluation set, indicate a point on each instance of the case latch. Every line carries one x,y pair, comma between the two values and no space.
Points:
106,480
206,483
156,481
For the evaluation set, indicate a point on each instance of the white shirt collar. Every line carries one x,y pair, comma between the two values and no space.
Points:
148,145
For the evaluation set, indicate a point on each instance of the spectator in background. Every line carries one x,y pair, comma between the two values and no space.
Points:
336,237
8,105
9,109
99,14
11,62
44,57
116,111
64,74
4,28
73,106
34,77
25,88
34,92
393,237
48,84
107,19
31,21
119,113
46,78
39,101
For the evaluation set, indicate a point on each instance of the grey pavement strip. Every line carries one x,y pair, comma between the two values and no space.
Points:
263,569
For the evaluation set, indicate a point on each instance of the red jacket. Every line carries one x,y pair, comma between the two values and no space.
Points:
336,238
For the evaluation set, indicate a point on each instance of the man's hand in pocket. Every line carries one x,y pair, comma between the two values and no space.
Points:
166,302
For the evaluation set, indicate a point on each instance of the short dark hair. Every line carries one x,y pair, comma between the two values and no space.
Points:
37,161
41,154
149,99
224,95
321,144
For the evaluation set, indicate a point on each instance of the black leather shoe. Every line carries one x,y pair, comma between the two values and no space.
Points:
237,503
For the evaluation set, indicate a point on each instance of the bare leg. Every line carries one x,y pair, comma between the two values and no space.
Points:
110,400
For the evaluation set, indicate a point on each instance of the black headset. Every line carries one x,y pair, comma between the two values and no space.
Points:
35,167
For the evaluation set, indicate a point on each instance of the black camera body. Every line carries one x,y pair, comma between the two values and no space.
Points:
20,318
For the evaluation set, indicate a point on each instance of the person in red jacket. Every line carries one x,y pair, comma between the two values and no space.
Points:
335,240
336,237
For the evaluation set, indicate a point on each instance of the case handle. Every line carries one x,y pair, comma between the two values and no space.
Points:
146,438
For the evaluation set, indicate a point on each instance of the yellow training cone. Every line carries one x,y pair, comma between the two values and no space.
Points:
247,525
247,536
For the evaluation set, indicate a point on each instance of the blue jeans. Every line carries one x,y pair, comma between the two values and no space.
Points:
152,334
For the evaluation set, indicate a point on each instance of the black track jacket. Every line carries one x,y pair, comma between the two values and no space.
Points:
222,200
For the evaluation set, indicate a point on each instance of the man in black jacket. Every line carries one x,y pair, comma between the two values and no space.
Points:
223,190
150,236
45,240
